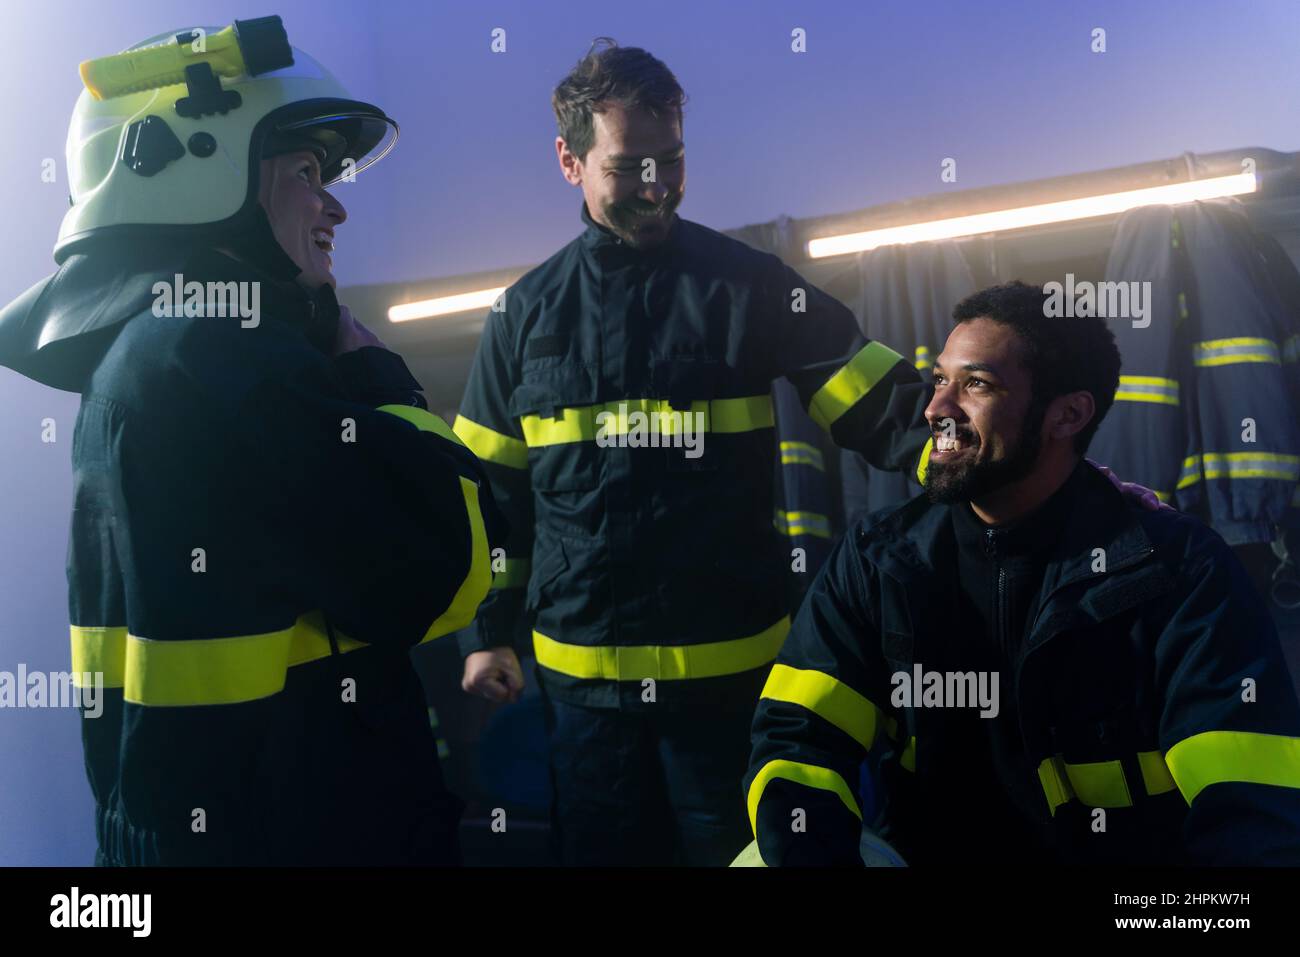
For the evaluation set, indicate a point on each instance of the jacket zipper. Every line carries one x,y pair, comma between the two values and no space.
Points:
1000,612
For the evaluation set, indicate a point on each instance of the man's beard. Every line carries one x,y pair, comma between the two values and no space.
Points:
947,484
623,219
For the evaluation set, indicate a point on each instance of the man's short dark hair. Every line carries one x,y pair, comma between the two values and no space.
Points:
1062,354
609,73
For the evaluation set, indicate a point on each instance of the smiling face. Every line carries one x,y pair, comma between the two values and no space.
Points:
613,178
987,429
303,215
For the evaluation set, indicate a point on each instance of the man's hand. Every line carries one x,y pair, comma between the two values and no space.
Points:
494,674
353,335
1132,491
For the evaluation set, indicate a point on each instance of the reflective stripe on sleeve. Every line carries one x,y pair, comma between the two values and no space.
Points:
1222,352
491,446
802,523
1147,388
847,387
809,775
829,698
802,453
1216,757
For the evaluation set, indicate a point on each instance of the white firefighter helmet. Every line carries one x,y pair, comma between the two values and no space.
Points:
168,135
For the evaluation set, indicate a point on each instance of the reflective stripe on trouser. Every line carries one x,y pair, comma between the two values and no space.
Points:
661,662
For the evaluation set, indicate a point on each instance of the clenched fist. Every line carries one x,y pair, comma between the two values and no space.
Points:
494,674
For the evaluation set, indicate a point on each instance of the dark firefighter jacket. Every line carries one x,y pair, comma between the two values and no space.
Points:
654,576
259,534
1151,686
1205,413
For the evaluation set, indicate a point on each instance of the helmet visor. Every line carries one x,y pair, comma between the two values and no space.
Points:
347,141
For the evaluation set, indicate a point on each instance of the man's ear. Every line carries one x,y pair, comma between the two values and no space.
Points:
1069,414
570,165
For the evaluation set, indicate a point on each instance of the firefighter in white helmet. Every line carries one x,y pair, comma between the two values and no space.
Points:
266,516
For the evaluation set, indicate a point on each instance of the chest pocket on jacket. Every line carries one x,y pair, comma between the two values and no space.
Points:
690,385
556,407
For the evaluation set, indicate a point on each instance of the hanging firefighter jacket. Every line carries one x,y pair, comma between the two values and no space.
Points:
1152,697
1205,413
260,533
637,559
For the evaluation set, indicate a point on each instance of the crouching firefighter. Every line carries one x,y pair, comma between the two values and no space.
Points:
266,516
1043,671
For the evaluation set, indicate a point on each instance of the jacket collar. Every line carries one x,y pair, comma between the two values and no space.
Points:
912,545
598,238
314,313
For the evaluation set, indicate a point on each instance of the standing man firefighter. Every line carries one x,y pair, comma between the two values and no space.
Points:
653,576
266,517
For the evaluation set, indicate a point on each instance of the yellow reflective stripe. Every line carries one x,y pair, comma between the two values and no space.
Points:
924,462
828,698
1222,352
579,424
491,446
908,758
201,671
1147,388
853,381
923,358
801,453
1102,783
1191,472
99,650
477,582
1056,785
809,775
802,523
1251,465
241,668
206,671
749,857
1155,773
514,575
1216,757
661,662
423,420
1099,784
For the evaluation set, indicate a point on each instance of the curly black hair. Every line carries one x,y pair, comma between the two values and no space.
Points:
609,73
1062,354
